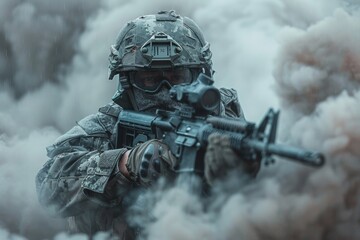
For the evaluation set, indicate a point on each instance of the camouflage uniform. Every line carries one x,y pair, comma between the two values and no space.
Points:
81,180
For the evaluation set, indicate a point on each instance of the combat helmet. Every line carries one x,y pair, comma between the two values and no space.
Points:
161,41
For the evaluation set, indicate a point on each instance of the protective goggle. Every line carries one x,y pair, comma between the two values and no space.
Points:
151,81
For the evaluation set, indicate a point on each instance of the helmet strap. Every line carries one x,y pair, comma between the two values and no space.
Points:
124,97
131,96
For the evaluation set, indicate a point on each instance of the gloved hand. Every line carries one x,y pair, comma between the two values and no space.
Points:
220,158
150,160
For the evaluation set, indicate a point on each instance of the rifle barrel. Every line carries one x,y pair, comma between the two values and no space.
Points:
314,159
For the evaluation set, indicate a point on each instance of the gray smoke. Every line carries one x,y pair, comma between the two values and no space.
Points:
34,36
53,71
322,69
37,43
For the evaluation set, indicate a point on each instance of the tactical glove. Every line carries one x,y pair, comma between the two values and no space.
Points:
220,158
150,160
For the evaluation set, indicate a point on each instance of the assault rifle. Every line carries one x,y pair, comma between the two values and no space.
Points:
187,129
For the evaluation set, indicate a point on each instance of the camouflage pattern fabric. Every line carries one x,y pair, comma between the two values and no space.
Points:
81,180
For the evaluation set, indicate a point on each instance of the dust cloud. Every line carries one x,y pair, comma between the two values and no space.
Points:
299,56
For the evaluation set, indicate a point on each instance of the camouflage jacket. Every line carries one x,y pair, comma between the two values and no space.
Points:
81,180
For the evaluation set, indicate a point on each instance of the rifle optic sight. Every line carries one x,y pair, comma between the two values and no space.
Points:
200,94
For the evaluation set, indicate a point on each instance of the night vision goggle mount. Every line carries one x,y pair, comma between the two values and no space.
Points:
161,50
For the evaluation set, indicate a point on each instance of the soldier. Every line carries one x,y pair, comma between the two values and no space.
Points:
86,179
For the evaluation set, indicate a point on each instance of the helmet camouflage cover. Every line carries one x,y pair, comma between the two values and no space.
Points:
163,40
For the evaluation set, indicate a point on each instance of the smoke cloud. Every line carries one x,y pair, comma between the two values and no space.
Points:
301,56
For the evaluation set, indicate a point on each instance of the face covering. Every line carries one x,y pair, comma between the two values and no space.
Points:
149,102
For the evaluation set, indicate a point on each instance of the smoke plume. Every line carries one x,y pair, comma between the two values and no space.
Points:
301,56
